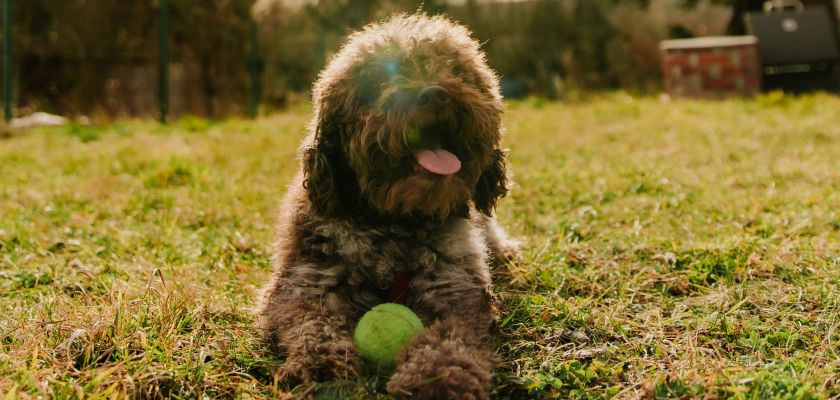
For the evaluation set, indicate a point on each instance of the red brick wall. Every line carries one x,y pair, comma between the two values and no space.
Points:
712,72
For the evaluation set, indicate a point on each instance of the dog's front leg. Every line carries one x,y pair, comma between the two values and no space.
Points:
501,245
314,326
453,358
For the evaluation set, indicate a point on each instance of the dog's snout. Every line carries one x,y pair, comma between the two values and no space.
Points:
432,97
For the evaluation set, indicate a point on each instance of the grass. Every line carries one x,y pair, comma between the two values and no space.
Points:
672,250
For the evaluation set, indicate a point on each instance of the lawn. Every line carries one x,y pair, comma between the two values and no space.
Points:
671,250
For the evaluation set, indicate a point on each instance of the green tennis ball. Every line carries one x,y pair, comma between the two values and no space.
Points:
384,330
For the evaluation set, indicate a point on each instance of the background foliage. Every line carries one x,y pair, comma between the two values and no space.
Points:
98,57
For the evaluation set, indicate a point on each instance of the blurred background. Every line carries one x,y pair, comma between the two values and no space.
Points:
100,58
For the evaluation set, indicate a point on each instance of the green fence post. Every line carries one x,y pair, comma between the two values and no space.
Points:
163,60
255,70
8,43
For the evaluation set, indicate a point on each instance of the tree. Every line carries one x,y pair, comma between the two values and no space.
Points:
215,35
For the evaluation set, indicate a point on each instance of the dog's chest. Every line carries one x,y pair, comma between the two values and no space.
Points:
380,255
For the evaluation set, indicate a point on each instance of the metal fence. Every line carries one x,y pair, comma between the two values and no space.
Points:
161,34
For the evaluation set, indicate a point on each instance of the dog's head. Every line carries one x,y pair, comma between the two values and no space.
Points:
407,122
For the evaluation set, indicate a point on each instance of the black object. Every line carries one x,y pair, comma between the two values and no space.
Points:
798,48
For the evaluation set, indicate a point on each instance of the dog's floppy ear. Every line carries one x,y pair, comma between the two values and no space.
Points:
320,174
492,184
329,182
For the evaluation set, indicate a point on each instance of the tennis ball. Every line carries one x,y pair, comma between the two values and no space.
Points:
384,330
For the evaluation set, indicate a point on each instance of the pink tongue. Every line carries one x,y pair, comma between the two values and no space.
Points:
438,161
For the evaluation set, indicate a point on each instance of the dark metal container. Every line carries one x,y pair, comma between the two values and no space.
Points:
798,48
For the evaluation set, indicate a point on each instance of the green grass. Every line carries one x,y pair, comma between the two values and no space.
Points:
672,250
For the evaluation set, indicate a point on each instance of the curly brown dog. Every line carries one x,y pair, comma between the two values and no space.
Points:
399,177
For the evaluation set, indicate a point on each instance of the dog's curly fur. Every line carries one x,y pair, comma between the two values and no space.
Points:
361,212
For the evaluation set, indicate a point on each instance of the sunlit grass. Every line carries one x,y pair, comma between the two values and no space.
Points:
672,250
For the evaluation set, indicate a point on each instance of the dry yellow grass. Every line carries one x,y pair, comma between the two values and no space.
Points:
672,250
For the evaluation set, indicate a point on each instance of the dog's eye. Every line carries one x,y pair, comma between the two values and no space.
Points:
368,87
367,95
456,69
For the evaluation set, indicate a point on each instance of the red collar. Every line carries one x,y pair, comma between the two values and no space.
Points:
398,291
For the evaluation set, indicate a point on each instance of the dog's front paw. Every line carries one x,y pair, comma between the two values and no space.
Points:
506,250
446,383
502,246
443,370
321,362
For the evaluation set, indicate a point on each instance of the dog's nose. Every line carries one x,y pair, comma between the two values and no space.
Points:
432,97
